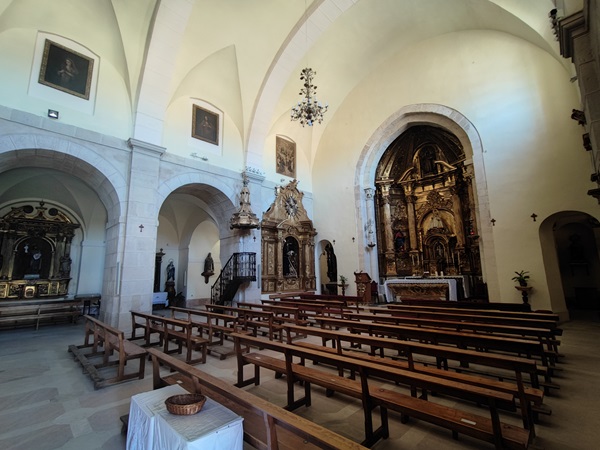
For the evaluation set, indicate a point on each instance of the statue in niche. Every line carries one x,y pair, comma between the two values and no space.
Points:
440,256
427,161
171,271
331,264
65,266
35,263
436,221
290,256
209,268
399,241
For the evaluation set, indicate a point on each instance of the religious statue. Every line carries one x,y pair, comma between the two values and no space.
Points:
35,263
65,266
171,271
331,264
209,268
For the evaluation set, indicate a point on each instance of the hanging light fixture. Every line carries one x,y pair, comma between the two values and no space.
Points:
308,110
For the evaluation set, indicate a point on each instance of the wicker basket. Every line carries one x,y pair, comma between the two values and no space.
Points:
185,404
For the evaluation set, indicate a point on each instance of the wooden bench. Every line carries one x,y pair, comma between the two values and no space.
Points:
35,312
458,421
470,304
472,311
282,315
474,341
217,327
170,330
498,318
530,398
266,426
99,334
251,320
544,335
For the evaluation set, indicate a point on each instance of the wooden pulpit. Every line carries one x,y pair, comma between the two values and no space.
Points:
363,286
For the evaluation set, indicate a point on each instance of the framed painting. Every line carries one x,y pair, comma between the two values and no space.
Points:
66,70
285,157
205,125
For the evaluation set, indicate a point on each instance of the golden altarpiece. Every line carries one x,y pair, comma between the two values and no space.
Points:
424,206
35,248
288,242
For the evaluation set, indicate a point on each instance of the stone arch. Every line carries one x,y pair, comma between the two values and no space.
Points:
453,121
218,195
572,280
36,150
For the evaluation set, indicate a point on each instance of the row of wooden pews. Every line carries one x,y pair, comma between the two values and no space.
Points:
485,347
372,394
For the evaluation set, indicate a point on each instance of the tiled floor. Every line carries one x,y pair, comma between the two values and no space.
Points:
46,402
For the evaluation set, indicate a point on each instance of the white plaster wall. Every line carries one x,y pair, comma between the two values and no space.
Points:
516,96
109,112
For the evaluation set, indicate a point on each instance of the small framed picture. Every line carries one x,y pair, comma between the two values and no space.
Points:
205,125
285,157
66,70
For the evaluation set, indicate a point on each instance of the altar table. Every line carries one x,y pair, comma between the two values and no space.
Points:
151,426
392,294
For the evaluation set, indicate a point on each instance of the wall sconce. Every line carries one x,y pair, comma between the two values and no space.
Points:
534,216
254,238
353,239
53,114
334,242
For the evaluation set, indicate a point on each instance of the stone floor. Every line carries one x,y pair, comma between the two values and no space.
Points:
46,402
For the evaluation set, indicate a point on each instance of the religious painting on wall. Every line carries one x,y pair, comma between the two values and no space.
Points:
205,125
285,157
66,70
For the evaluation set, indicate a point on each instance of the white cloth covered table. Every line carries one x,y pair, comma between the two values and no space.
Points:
151,426
453,293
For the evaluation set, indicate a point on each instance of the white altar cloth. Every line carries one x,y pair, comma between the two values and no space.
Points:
452,294
151,426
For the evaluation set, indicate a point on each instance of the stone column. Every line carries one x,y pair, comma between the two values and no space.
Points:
458,220
469,177
388,237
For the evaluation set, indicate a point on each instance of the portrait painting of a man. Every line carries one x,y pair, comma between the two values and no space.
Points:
205,125
66,70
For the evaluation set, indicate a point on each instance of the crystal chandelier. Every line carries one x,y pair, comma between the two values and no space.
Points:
309,110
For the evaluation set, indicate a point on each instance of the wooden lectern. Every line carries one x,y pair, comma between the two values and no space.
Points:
363,286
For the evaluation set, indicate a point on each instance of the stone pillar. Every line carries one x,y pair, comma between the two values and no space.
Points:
137,239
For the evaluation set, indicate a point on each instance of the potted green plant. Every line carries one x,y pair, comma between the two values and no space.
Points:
521,277
343,280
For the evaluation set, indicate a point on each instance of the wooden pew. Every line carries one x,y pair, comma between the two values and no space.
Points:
490,429
308,310
36,312
472,311
217,328
99,334
470,304
480,342
544,335
266,426
498,318
251,320
170,330
530,398
282,314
